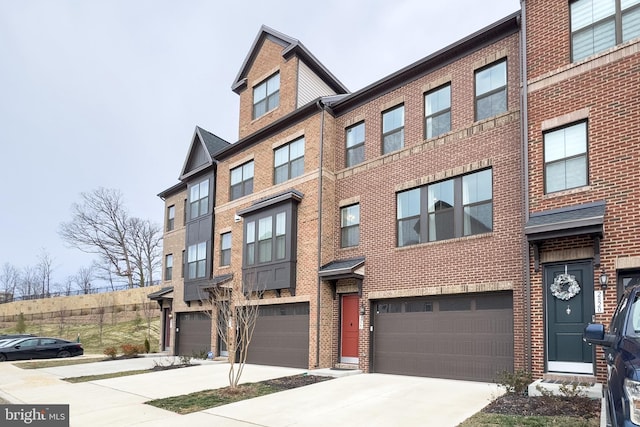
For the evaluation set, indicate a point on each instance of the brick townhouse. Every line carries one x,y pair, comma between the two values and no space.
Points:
384,225
426,224
582,139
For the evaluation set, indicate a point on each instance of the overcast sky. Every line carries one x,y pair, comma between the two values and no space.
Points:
108,93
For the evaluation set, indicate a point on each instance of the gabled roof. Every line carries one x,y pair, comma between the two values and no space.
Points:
290,47
204,145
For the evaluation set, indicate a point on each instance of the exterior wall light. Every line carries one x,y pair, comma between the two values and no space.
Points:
604,279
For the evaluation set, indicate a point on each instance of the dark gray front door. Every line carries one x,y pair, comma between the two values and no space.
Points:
567,314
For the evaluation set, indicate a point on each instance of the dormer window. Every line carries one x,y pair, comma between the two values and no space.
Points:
266,96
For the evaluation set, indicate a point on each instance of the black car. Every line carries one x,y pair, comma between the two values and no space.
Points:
4,337
40,348
622,352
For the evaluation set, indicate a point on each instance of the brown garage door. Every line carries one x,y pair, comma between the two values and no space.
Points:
467,337
281,336
194,333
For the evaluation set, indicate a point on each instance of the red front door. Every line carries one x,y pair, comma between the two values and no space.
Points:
350,324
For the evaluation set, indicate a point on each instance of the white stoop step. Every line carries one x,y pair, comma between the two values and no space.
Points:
587,386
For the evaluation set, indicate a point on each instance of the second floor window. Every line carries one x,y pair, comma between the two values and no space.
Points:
393,129
168,267
456,207
199,199
350,226
171,217
225,249
288,161
266,96
491,90
270,233
355,145
197,260
598,25
565,158
241,181
437,112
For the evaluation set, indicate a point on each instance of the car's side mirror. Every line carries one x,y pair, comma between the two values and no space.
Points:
594,334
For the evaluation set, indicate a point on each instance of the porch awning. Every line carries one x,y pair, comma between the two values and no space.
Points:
575,220
343,269
164,293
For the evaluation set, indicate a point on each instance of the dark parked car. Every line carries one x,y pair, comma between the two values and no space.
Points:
4,337
40,348
622,352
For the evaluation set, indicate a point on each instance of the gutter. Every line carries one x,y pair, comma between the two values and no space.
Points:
524,125
321,107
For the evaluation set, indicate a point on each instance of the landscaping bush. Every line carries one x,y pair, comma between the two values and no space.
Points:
147,345
130,350
111,352
516,382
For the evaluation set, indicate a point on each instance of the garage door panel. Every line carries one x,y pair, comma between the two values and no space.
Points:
281,337
471,339
194,334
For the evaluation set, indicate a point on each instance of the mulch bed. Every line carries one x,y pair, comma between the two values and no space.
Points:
512,404
287,383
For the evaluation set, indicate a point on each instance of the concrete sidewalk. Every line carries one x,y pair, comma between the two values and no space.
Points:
356,400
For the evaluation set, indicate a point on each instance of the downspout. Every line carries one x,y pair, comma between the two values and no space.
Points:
524,125
318,280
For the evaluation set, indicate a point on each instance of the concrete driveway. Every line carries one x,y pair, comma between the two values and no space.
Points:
354,400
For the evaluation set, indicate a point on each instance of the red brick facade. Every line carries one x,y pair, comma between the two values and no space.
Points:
603,90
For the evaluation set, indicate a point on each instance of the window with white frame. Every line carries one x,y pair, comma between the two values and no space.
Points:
565,158
288,161
241,181
171,217
393,129
197,260
437,111
225,249
168,267
597,25
355,145
266,96
350,226
199,199
491,90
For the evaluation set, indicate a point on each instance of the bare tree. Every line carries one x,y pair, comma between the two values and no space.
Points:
128,247
62,317
44,269
83,279
104,272
99,226
145,242
235,315
9,279
103,303
28,283
149,313
68,284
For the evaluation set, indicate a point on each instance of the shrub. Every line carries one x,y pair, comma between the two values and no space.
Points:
516,382
130,350
147,346
199,354
111,352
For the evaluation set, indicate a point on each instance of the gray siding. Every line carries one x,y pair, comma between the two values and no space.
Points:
310,86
